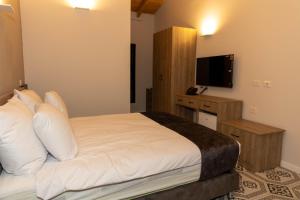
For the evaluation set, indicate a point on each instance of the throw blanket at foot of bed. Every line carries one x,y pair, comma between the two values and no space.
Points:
219,153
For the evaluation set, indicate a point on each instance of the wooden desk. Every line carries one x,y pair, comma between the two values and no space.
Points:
223,108
261,144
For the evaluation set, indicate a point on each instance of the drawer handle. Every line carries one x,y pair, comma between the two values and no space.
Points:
236,136
206,106
190,102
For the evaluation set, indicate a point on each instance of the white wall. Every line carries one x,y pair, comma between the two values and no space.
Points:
265,37
142,30
84,55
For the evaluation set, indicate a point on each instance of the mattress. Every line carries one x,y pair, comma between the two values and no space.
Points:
121,157
23,187
116,149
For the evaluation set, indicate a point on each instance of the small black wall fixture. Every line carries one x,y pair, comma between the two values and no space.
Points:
132,73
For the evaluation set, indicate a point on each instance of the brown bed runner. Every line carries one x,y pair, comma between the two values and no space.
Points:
219,152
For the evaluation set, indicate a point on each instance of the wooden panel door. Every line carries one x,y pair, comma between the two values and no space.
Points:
184,65
162,64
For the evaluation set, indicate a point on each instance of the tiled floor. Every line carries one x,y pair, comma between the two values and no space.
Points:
277,184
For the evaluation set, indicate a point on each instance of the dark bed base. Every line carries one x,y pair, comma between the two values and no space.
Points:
201,190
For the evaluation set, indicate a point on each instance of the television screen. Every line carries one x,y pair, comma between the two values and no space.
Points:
215,71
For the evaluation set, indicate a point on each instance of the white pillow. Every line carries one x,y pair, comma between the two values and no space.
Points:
21,152
55,132
54,99
30,98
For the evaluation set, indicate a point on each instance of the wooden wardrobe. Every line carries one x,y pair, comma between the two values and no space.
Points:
173,67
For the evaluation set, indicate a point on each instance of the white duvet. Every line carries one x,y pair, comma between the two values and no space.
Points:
114,149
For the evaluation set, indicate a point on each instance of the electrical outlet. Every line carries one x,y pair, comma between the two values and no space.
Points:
267,84
256,83
20,82
253,110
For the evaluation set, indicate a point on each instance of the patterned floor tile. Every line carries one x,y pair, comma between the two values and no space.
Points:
280,190
276,184
296,191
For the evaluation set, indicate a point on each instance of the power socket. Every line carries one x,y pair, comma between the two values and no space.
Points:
253,110
267,84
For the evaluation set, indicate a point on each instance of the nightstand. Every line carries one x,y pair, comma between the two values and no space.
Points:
261,144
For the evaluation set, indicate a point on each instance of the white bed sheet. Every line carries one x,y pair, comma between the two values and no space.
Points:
115,149
13,185
23,188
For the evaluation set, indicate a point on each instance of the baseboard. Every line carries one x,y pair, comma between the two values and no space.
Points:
290,166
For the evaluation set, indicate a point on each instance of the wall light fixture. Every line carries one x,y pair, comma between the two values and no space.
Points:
209,26
6,8
82,4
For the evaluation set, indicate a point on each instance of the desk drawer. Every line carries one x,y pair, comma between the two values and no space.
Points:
208,106
190,103
180,100
236,135
233,133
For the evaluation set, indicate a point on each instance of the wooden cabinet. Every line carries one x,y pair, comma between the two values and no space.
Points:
261,145
173,67
223,108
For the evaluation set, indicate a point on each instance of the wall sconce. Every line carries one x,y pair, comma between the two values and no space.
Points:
6,8
209,26
83,4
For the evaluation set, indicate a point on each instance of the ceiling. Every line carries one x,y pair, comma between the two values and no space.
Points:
145,6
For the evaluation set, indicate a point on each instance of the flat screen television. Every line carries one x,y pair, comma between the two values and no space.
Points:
215,71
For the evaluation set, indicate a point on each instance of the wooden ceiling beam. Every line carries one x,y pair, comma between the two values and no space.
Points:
146,6
141,8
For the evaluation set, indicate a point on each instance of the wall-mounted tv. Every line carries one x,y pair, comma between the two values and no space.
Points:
215,71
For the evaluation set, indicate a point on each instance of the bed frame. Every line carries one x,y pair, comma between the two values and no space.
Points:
200,190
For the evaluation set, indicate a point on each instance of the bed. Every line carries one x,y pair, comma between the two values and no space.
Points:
136,156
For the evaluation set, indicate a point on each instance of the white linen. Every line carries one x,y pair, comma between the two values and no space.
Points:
23,187
114,149
21,152
13,185
55,131
55,100
30,98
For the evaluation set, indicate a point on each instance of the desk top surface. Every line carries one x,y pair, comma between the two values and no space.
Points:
209,98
